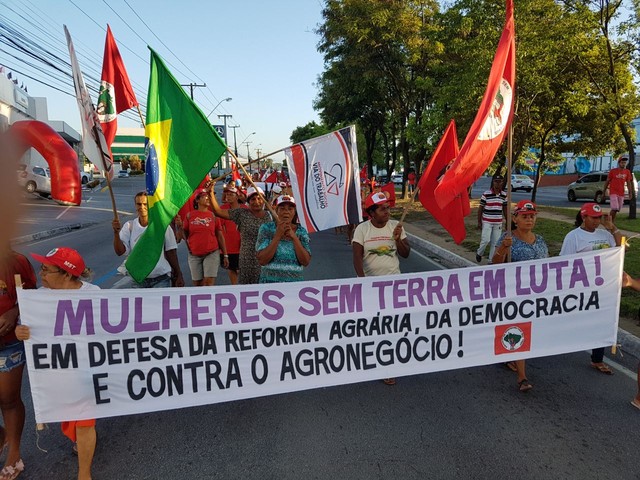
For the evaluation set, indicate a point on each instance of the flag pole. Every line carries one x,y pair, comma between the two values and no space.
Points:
407,205
269,207
509,161
141,117
251,162
106,173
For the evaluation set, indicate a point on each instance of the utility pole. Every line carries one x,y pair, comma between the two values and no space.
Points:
248,154
192,86
226,153
235,144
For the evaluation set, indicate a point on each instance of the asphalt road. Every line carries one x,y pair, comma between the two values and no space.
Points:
471,423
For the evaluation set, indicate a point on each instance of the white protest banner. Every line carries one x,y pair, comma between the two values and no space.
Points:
113,352
325,181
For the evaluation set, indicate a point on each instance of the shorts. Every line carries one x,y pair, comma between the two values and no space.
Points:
11,356
204,266
616,202
234,261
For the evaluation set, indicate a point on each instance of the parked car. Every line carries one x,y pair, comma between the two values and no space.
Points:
123,174
35,179
591,187
85,177
396,178
521,182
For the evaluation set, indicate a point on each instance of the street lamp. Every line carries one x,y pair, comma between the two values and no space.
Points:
228,99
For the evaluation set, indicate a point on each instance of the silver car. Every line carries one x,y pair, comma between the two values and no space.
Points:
35,179
591,187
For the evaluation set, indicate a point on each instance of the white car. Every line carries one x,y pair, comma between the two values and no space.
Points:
396,178
521,182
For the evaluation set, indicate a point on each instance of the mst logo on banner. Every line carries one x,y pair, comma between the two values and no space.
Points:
117,352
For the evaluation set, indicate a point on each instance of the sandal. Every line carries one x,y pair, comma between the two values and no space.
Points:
10,472
511,366
74,448
524,385
636,403
389,381
602,367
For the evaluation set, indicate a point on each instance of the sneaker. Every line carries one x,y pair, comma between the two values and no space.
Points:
478,258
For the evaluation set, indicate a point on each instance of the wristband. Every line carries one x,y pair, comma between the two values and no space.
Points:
613,232
225,255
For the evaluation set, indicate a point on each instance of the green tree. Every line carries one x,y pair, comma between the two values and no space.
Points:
310,130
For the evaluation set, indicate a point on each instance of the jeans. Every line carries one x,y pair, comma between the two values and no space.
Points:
490,234
161,281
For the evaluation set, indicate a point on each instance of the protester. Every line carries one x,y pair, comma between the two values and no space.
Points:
634,283
491,214
230,232
585,238
616,180
248,221
377,243
524,245
205,242
125,238
411,182
64,269
12,358
282,248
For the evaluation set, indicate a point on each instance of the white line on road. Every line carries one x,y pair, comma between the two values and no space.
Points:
62,213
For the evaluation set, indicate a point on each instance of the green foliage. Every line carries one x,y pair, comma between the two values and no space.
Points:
310,130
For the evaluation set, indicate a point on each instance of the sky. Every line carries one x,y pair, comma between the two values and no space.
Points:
262,54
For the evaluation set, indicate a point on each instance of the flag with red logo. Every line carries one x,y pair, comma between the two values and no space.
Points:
492,120
451,217
235,175
389,190
324,179
512,338
116,94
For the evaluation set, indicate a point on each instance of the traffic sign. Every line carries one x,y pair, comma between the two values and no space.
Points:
220,130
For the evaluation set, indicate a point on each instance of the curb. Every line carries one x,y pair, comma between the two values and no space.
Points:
50,233
628,342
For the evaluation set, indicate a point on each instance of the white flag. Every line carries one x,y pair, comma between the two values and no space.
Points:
94,145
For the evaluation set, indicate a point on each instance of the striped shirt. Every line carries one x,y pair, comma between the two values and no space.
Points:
492,206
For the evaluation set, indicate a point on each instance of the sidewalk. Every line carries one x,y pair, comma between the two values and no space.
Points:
432,240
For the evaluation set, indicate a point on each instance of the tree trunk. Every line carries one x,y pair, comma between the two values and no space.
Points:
624,128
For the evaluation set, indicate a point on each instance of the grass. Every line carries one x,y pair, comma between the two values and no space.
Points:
553,224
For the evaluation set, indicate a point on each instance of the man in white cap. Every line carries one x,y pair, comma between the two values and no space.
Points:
377,243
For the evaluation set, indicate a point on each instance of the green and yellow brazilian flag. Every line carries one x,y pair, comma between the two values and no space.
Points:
182,147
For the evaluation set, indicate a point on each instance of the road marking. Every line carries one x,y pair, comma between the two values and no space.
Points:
63,212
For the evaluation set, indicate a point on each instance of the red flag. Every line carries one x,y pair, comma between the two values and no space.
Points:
235,175
364,174
116,94
492,120
390,191
273,178
451,217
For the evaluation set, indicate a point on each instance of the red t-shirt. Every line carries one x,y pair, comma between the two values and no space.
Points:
230,231
200,229
16,264
618,177
411,178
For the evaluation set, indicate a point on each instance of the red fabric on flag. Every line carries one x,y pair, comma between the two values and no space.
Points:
512,338
492,120
364,174
235,175
390,190
114,73
451,217
273,178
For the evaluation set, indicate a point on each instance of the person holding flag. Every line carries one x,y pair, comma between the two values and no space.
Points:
524,245
249,220
125,239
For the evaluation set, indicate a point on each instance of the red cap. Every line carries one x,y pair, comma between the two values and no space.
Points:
64,258
377,198
230,187
591,210
525,206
